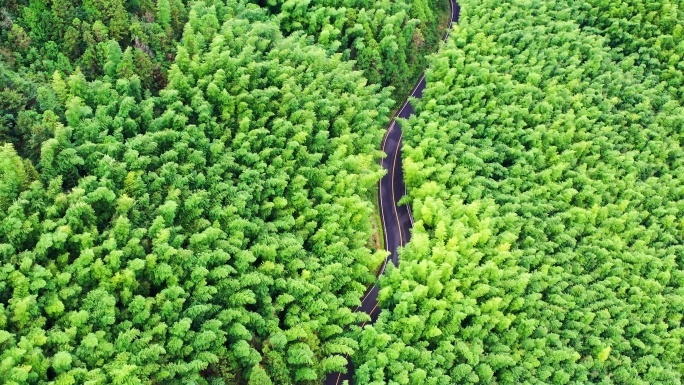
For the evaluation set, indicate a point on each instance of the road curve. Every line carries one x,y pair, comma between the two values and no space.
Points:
396,220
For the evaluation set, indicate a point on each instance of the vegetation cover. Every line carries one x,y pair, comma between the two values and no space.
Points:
184,191
184,186
389,40
649,34
39,37
545,172
47,35
217,231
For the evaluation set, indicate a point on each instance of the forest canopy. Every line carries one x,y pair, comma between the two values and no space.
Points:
187,191
217,231
186,186
544,168
386,40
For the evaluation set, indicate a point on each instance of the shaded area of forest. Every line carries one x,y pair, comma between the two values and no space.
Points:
388,41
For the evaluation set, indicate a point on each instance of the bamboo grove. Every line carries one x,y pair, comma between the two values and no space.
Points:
386,39
544,168
209,227
187,191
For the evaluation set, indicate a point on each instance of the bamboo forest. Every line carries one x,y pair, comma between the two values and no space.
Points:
281,192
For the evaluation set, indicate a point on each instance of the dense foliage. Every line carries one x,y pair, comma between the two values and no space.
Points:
100,38
387,39
184,191
545,173
649,34
22,103
216,231
42,36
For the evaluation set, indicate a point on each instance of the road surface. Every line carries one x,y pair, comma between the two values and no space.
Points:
396,220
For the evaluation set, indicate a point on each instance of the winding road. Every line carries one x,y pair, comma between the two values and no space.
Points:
396,220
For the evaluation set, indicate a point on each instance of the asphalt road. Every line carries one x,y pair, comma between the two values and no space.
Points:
396,220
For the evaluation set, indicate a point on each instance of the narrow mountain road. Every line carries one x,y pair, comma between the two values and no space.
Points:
396,220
